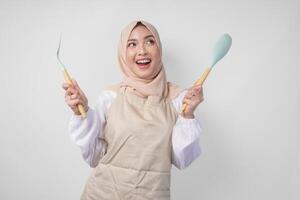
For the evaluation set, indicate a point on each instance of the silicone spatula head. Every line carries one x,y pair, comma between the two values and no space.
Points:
221,48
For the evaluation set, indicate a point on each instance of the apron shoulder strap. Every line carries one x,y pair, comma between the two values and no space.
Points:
174,90
115,88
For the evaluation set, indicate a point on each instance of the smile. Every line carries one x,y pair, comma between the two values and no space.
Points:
143,63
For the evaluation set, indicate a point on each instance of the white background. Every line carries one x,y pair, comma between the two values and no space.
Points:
250,115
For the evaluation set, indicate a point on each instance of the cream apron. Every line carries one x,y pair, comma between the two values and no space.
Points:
137,163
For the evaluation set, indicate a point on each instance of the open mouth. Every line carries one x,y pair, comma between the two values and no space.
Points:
143,63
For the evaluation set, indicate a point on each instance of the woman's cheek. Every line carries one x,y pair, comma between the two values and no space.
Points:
130,57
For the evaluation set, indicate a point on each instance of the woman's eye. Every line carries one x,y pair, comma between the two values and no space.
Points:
150,42
131,44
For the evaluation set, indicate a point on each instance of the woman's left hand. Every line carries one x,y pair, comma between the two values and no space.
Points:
192,98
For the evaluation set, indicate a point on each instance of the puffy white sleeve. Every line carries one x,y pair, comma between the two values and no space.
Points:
87,133
185,137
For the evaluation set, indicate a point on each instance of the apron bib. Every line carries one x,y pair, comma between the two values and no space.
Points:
137,162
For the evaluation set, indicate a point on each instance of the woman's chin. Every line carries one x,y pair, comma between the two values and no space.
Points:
144,72
147,75
143,67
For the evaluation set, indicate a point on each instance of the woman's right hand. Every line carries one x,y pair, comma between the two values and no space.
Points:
75,96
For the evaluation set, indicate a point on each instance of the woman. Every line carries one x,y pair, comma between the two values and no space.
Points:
135,133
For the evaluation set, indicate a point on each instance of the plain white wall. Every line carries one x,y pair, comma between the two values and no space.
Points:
250,115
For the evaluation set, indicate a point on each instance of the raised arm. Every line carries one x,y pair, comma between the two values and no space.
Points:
87,133
185,137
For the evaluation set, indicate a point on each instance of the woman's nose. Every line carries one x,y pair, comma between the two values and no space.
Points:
142,50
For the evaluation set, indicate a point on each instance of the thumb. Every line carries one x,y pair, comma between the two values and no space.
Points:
77,86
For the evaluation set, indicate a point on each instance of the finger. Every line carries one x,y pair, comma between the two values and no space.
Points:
197,94
200,90
197,87
194,93
71,91
187,101
78,87
74,102
188,95
190,105
190,101
76,95
71,96
81,92
193,102
65,85
197,91
197,99
75,84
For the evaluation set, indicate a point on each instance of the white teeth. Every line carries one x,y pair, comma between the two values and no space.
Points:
143,61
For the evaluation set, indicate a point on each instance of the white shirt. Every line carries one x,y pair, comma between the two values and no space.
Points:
87,133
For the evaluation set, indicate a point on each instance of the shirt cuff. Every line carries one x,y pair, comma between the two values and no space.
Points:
189,124
77,118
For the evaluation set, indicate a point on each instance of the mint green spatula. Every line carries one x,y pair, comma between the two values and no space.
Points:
221,48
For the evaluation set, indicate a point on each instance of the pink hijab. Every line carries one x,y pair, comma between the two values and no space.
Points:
158,86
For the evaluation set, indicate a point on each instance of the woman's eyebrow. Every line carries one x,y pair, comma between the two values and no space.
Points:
131,40
148,36
134,40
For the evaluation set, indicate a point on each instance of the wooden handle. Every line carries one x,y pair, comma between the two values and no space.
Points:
200,81
79,106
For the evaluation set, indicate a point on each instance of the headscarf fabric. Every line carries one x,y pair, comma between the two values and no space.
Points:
158,85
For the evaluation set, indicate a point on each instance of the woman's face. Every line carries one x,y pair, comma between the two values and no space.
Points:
142,54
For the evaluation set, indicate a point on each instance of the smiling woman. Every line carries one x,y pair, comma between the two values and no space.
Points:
143,54
135,132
